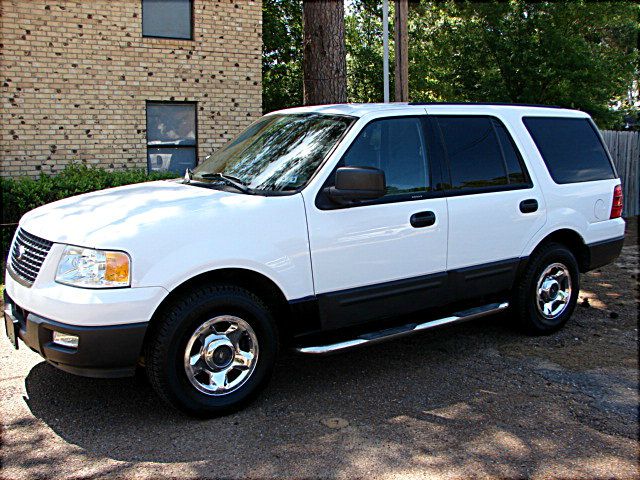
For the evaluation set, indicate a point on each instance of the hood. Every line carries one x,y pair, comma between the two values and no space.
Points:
104,219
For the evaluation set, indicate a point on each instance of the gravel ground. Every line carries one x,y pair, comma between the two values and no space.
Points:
473,400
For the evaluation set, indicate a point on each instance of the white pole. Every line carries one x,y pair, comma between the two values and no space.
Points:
385,47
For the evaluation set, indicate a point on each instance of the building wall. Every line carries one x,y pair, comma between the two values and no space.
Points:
76,76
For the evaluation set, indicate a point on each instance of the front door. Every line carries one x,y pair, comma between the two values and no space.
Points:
388,256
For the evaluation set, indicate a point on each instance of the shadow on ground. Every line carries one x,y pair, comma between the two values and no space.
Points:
446,398
475,399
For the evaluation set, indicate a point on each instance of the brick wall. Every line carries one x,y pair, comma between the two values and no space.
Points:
75,77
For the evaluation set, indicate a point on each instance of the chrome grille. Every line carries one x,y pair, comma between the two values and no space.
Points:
27,254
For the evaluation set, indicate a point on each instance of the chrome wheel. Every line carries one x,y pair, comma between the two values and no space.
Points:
221,355
553,291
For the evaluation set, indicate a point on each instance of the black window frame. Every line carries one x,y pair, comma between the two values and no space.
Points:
448,188
598,135
191,25
434,164
172,102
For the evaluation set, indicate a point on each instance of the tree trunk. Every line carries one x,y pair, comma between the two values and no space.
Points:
325,61
402,51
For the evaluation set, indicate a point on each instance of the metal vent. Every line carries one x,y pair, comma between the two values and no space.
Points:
27,255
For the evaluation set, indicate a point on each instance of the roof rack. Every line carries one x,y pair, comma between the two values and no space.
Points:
498,104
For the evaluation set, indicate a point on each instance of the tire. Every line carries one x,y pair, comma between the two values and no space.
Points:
225,368
537,311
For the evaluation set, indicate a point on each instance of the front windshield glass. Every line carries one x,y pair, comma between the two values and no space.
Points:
277,152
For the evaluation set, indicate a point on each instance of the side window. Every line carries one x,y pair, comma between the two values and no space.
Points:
171,136
396,146
571,149
167,18
512,157
475,159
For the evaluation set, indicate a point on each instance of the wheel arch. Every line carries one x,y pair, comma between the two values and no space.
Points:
255,282
570,239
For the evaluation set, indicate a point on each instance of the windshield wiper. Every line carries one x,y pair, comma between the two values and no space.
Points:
229,180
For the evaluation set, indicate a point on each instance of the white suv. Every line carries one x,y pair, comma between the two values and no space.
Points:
318,228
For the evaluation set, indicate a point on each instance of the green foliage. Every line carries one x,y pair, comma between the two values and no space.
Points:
24,194
281,54
628,106
574,54
363,30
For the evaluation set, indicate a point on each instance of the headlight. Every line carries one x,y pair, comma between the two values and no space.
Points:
85,267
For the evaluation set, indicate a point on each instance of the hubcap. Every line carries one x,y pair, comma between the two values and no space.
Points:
553,291
221,355
218,353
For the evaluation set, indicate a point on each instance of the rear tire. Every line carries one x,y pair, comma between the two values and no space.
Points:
212,350
547,292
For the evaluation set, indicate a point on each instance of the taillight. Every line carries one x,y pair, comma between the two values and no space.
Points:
616,206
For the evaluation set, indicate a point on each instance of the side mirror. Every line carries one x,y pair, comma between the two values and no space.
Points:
357,183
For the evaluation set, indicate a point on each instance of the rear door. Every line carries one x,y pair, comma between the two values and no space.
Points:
494,206
387,256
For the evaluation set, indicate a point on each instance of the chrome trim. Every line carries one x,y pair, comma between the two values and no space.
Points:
553,291
394,333
27,254
221,355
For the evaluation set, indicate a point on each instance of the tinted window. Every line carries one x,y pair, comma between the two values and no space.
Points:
475,157
511,156
166,18
397,147
171,136
571,149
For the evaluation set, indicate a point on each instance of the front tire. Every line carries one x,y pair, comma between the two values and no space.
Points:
547,292
212,351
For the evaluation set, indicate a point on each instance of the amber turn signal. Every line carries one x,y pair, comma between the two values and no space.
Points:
117,268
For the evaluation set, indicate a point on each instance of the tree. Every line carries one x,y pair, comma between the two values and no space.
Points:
324,54
576,54
401,41
363,27
573,54
281,54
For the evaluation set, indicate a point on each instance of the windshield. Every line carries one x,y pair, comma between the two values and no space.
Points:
277,152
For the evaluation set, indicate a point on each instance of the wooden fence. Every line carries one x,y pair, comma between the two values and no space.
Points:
625,150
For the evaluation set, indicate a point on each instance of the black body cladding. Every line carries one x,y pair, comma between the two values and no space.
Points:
354,306
104,352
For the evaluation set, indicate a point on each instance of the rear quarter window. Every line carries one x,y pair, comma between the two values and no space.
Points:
571,148
481,154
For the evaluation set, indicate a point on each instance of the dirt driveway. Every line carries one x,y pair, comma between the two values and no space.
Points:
473,400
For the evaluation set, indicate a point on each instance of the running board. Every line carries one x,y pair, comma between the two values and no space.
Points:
397,332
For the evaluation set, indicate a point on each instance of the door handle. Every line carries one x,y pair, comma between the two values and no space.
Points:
422,219
529,206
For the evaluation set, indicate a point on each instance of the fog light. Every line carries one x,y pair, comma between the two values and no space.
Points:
65,339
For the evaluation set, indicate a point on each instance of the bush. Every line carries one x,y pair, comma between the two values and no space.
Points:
24,194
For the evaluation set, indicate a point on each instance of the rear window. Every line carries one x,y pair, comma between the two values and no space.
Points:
480,152
571,149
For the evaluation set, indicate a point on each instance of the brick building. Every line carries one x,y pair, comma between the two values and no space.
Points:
125,83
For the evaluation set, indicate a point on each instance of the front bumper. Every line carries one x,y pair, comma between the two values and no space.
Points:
107,352
110,323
